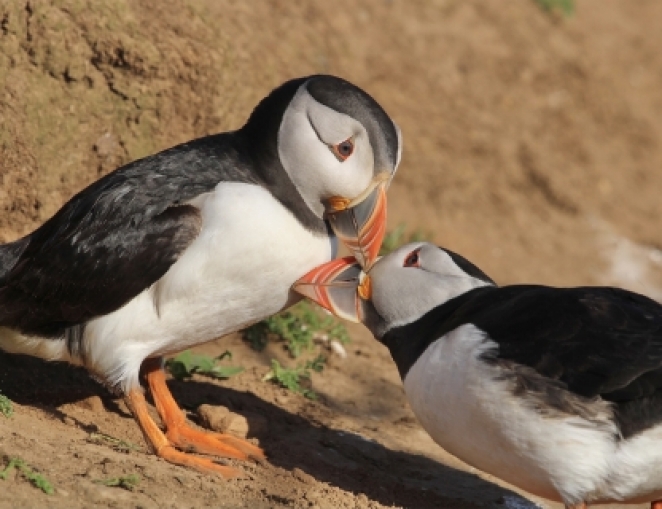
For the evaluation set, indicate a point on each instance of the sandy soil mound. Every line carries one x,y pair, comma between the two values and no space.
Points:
532,146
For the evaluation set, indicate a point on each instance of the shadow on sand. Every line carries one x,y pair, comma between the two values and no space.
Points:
343,459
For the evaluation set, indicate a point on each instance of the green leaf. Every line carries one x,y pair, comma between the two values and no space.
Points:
567,7
116,443
35,478
187,363
297,328
290,378
6,406
127,482
224,371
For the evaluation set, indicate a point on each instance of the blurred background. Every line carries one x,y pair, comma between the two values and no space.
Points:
532,134
532,128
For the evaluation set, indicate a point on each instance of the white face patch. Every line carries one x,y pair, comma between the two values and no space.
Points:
307,133
402,295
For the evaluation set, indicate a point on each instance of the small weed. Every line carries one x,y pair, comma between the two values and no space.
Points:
127,482
567,7
398,237
35,478
115,443
291,378
187,363
298,327
6,407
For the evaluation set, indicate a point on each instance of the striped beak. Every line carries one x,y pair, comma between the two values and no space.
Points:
338,286
361,223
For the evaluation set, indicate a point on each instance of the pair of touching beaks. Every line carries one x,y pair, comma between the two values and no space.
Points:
360,224
341,286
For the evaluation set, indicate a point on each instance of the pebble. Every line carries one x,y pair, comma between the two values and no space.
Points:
337,348
219,418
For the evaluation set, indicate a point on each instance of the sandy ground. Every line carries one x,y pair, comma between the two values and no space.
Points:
532,146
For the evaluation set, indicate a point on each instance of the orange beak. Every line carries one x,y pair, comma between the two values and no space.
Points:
336,286
361,227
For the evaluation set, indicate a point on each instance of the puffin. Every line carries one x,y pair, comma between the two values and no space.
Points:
555,390
198,241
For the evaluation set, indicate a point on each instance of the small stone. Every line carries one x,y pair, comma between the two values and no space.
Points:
213,417
221,419
338,349
106,145
93,403
237,425
69,421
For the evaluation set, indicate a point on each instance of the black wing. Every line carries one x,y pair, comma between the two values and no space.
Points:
598,341
574,345
593,342
112,240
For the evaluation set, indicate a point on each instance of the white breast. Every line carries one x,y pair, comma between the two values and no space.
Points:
465,407
237,271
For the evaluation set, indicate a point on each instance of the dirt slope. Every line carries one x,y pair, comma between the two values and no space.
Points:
532,146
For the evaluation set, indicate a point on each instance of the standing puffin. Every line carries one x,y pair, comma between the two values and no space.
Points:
555,390
198,241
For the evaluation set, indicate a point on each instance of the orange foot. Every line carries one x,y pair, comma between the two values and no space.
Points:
179,435
656,504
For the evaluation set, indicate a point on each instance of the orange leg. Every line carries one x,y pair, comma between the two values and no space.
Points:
656,504
162,447
583,505
183,436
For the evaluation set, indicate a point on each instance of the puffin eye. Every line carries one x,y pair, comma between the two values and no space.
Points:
412,259
343,150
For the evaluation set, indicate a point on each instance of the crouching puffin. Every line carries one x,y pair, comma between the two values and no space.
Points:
555,390
198,241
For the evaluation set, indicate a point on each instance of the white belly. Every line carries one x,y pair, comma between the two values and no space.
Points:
473,415
238,270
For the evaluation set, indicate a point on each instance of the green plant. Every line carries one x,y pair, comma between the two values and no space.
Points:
297,327
187,363
398,237
567,7
36,479
291,378
115,443
6,407
127,482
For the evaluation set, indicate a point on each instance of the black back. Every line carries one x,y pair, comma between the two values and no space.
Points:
591,342
113,239
118,236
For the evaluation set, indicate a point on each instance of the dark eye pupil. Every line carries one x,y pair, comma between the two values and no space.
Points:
345,148
412,259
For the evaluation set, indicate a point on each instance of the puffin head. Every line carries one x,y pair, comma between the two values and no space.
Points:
340,150
397,290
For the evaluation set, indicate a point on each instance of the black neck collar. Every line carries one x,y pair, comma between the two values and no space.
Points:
408,342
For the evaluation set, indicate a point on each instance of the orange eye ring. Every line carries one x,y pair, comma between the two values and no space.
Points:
343,150
412,259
